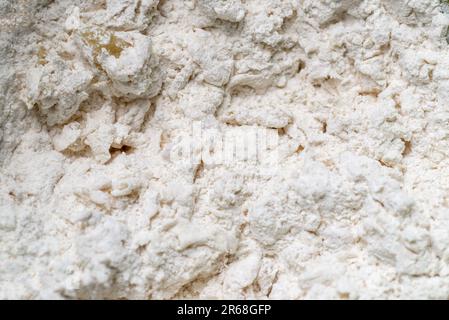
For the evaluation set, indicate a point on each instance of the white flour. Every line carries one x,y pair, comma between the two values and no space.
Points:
108,188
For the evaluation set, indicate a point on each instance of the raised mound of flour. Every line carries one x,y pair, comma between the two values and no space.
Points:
238,149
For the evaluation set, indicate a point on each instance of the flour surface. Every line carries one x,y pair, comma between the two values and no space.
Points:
224,149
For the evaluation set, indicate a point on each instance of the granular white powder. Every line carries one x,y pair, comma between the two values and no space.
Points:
224,149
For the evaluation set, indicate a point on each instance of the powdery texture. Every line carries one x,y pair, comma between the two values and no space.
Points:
350,203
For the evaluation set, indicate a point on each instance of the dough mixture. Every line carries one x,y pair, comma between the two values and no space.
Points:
224,149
